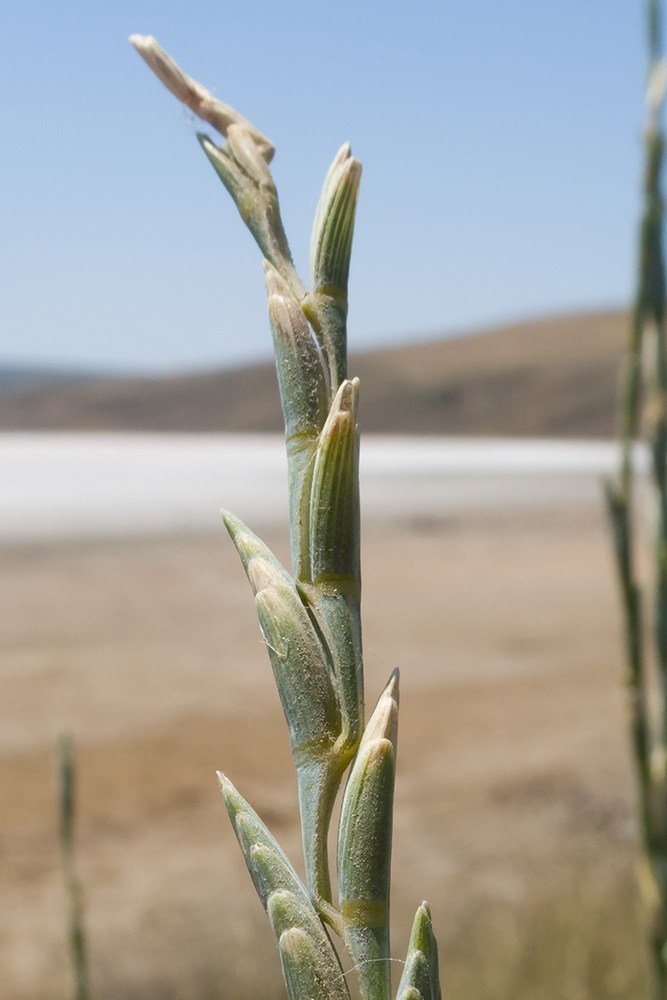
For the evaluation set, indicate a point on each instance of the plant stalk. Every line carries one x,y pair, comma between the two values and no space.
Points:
73,888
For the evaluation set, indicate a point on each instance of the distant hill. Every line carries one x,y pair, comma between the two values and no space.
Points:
555,377
14,377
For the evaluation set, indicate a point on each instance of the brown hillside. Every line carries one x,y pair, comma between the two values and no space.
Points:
554,377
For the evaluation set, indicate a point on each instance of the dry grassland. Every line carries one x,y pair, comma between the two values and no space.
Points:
553,377
514,812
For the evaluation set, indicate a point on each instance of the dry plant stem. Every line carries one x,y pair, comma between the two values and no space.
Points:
67,803
643,401
194,96
311,617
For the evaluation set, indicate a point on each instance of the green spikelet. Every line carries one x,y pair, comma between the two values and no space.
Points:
245,173
304,400
330,251
364,848
287,904
305,683
335,588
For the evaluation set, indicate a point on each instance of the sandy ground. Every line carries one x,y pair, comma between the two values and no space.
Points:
514,780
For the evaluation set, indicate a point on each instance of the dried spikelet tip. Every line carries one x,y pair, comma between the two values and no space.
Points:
348,395
194,96
225,783
168,72
384,721
345,402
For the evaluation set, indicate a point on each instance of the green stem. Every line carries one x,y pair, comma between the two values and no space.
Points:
67,803
648,314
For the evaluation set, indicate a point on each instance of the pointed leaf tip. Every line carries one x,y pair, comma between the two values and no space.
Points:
232,523
421,938
421,977
384,721
250,547
269,867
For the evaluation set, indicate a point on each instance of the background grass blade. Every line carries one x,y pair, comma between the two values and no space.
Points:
73,889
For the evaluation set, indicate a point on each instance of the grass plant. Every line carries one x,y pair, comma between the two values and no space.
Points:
642,409
310,618
73,888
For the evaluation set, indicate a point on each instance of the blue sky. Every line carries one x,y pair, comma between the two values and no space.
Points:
500,141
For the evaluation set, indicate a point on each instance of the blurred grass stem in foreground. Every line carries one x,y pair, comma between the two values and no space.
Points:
73,889
642,407
311,618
